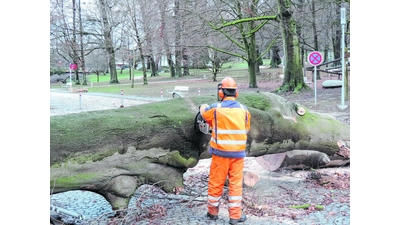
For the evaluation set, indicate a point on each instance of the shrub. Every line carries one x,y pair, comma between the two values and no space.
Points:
57,70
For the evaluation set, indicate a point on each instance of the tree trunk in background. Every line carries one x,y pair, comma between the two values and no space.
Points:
252,59
251,50
178,52
299,32
164,36
108,43
153,66
74,46
143,69
171,64
185,62
293,79
259,61
140,47
275,58
148,66
337,37
216,64
83,66
314,25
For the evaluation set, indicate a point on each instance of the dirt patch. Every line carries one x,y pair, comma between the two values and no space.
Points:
277,194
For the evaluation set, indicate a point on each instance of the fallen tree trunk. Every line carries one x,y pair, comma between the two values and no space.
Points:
112,152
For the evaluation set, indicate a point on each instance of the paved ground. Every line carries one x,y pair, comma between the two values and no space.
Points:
167,209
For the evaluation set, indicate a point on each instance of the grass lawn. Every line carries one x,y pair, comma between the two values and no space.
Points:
199,80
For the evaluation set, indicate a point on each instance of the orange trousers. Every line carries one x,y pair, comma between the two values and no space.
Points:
220,169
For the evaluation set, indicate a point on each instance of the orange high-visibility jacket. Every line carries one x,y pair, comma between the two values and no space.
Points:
230,122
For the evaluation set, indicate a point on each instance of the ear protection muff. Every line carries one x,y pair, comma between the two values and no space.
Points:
220,92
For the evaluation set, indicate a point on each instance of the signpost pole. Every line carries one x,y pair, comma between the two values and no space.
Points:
315,58
315,85
122,98
72,66
70,74
80,99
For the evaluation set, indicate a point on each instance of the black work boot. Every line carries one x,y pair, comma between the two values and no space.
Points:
236,221
212,217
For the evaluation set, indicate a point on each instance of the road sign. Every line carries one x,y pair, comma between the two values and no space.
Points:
72,66
315,58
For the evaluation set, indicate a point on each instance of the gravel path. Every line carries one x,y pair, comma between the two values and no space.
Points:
63,102
150,205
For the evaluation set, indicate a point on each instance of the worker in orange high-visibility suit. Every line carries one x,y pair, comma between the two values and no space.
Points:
230,122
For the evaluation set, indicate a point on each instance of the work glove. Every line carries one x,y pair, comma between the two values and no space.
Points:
203,107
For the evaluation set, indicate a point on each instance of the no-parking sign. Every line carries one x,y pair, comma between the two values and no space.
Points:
315,58
73,66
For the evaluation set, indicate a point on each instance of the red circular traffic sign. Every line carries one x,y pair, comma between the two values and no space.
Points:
315,58
72,66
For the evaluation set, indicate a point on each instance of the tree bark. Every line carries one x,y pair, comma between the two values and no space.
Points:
252,59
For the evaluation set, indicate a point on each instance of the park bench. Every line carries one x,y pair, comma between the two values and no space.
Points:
66,85
179,91
330,68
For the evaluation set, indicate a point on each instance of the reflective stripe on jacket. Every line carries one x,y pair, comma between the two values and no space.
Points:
230,122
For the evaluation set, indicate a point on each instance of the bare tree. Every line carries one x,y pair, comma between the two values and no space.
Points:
107,32
275,58
174,31
293,79
82,54
149,22
74,43
178,51
165,34
97,62
138,39
63,33
240,23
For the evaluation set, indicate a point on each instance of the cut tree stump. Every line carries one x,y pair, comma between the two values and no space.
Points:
250,179
344,148
271,162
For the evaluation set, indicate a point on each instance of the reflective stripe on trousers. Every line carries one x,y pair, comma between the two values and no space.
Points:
220,169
